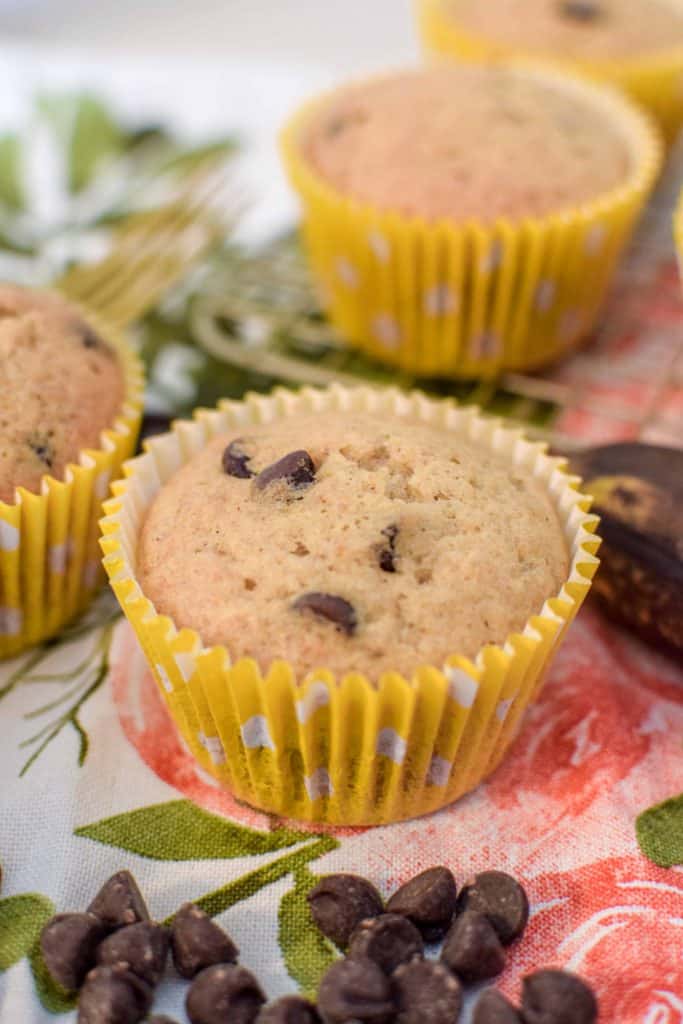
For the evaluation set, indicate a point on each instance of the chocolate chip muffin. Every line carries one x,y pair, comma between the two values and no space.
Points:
352,543
439,144
61,386
576,29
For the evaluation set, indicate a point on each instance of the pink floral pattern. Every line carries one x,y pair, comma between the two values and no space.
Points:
618,922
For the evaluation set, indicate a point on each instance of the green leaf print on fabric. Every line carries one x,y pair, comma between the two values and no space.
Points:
21,922
76,683
178,830
306,952
248,885
660,832
11,187
95,139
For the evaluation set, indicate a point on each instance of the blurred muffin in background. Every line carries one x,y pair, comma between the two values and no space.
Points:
466,220
70,409
636,44
465,144
578,29
61,386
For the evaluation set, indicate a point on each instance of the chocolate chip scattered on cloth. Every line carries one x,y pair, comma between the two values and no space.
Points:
355,990
493,1008
224,993
501,898
426,993
113,995
141,948
557,997
428,900
69,946
289,1010
198,942
340,902
472,949
389,940
119,902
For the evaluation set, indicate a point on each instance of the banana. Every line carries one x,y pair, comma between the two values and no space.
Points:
638,492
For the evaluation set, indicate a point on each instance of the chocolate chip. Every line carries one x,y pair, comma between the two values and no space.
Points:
113,995
428,900
289,1010
335,126
68,943
390,940
581,10
142,948
557,997
328,606
236,461
198,942
338,123
472,949
501,898
296,469
426,993
353,991
119,902
41,445
89,336
224,993
387,553
340,902
494,1008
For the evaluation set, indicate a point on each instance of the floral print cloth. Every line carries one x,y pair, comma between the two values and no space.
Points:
95,778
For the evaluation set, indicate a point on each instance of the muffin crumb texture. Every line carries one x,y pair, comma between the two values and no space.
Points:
466,143
577,29
61,385
390,546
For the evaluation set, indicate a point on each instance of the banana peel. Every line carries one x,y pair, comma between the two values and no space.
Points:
638,494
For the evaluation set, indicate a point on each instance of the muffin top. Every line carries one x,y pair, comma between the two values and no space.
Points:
60,386
348,542
579,29
464,143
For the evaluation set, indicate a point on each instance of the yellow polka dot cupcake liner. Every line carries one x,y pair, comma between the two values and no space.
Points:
471,300
50,564
654,81
352,750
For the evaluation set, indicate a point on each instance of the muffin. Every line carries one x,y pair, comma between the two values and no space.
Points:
381,523
430,253
439,145
69,412
340,591
635,44
61,386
